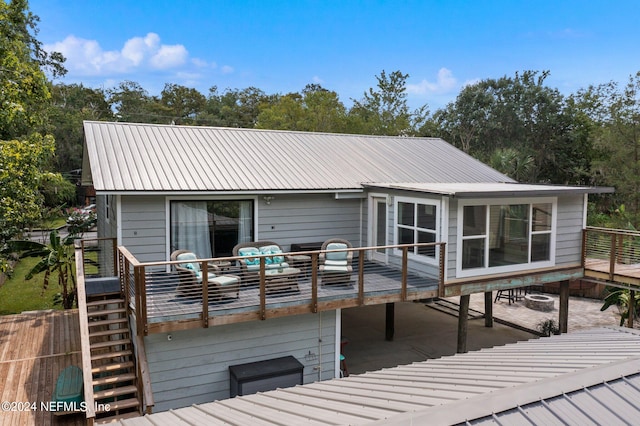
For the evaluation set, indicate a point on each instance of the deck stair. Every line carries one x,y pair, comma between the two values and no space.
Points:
112,360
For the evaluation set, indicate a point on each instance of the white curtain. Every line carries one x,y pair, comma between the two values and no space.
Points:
244,222
190,228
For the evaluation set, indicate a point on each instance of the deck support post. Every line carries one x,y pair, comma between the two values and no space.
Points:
563,318
463,320
632,308
390,321
488,309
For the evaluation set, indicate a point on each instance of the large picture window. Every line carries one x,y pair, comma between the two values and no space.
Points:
504,237
417,222
211,228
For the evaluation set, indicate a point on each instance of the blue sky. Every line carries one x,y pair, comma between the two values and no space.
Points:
281,46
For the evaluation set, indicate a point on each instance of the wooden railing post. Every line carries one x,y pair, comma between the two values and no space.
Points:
360,277
612,257
314,283
442,266
583,255
263,288
405,264
632,308
204,267
141,300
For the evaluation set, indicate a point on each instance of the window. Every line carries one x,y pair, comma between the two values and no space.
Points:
417,222
506,237
211,228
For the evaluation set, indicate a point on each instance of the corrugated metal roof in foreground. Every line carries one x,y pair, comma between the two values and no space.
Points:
406,394
145,157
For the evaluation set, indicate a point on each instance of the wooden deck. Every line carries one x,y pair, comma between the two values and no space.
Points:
34,348
168,310
622,273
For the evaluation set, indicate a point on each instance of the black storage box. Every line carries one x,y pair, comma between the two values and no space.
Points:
261,376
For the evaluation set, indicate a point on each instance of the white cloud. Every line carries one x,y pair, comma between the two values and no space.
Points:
169,57
445,83
317,80
226,69
86,57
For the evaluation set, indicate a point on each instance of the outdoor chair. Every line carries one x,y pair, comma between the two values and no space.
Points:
191,277
250,262
335,266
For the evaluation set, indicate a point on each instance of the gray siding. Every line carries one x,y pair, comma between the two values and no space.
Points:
144,227
291,219
194,366
569,229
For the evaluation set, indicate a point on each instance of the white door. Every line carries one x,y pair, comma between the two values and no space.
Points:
379,227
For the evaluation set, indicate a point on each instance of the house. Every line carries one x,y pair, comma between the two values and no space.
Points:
444,223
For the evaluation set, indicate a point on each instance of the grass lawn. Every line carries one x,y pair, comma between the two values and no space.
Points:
19,295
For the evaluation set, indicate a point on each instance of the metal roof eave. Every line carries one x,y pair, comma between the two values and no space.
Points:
355,192
512,192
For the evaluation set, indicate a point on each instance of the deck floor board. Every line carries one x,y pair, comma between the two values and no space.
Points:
36,347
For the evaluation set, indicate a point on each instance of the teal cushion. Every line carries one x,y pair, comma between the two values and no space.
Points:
335,263
249,252
341,255
267,250
194,266
210,276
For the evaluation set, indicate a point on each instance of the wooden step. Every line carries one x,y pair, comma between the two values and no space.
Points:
107,322
108,393
112,380
109,332
119,405
108,355
105,302
103,312
109,343
112,367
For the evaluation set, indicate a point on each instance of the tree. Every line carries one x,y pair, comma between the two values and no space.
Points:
133,104
385,111
235,108
57,257
23,85
24,94
617,139
70,105
21,165
522,114
315,110
183,104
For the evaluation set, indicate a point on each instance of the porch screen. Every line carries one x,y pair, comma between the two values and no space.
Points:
211,228
502,235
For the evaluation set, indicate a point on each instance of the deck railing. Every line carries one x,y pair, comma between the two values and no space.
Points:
613,252
165,299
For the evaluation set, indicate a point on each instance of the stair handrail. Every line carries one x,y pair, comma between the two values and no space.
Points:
143,376
85,345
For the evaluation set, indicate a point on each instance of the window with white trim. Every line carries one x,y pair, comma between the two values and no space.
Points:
506,236
418,221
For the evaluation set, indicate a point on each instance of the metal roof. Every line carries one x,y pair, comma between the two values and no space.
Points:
447,390
490,189
126,157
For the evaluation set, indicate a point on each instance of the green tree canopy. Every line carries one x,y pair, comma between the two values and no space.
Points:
385,111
